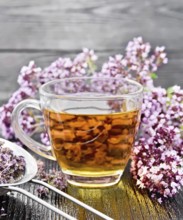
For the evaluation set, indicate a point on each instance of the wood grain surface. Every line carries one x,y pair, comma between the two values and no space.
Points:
43,30
30,29
124,201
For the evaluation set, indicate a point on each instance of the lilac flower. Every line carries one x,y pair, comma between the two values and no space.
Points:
30,79
138,63
116,66
28,75
5,120
135,64
6,110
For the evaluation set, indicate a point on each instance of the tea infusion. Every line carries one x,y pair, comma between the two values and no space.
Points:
92,145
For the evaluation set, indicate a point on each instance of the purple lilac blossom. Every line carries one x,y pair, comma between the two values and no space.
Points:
30,79
157,163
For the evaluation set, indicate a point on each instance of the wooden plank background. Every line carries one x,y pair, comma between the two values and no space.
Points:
33,29
42,30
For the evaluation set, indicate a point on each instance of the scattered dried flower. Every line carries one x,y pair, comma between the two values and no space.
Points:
53,177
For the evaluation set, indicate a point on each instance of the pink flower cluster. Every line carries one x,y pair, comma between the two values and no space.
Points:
157,156
157,162
30,79
139,62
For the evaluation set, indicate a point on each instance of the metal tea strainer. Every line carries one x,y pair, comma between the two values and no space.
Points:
31,170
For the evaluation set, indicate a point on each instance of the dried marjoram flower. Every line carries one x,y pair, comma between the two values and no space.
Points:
12,167
53,177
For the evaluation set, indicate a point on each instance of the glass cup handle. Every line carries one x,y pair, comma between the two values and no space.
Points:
35,146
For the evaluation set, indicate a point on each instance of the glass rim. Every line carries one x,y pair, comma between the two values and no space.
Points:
86,97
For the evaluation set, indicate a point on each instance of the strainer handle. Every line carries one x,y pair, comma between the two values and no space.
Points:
78,202
42,202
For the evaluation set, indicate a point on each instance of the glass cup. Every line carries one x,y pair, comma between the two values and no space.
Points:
92,124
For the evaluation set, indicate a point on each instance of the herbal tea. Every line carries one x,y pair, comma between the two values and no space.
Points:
92,122
92,145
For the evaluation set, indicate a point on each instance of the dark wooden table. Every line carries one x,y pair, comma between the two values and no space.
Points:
123,201
43,30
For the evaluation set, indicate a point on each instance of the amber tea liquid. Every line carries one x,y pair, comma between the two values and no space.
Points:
92,145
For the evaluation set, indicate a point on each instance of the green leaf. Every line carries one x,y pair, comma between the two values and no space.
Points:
154,76
91,65
169,92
